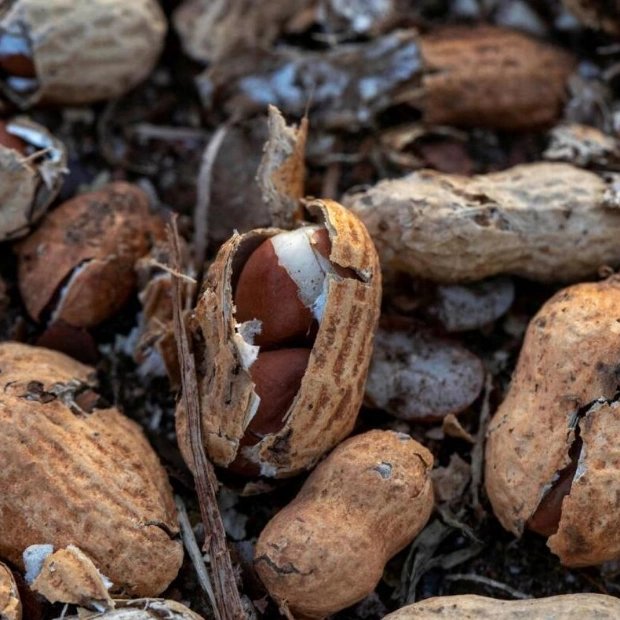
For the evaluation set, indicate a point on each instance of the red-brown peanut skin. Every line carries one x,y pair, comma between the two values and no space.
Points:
472,607
569,364
364,503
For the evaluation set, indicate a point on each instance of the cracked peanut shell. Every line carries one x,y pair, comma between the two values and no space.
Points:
76,472
364,503
79,265
552,451
324,409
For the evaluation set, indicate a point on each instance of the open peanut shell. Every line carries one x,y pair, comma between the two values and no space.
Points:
325,407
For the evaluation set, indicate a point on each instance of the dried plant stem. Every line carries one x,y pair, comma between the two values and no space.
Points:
203,201
228,601
477,455
191,546
492,583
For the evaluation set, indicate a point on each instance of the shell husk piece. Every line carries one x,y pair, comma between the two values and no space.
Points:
326,406
69,576
543,221
10,603
417,376
85,50
473,607
28,185
589,531
105,489
568,364
365,502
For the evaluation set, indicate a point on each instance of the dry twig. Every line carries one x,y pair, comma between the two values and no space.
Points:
228,601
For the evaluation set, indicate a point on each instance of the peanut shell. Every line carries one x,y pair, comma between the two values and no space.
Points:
28,185
563,392
79,264
326,406
10,603
83,50
69,576
543,221
490,76
473,607
83,477
364,503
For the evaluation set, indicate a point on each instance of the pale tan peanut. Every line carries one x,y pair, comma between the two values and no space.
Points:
74,471
365,502
552,449
472,607
312,296
543,221
77,51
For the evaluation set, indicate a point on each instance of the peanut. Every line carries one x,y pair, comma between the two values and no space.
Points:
543,221
287,319
78,266
551,455
365,502
76,472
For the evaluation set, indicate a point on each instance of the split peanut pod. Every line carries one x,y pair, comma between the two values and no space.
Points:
472,607
552,453
78,266
364,503
287,320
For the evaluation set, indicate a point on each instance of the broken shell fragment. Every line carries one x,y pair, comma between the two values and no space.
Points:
364,503
10,603
542,221
75,471
33,164
343,298
65,52
69,576
152,343
470,606
552,448
78,266
419,377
